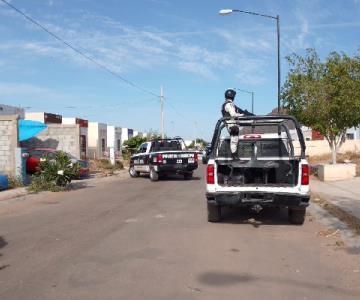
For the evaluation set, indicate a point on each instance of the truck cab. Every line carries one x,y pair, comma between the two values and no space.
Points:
162,157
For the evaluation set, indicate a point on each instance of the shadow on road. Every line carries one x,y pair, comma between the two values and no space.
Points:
218,278
3,243
78,185
268,216
170,178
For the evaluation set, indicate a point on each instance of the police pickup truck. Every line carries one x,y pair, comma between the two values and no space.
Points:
161,157
268,169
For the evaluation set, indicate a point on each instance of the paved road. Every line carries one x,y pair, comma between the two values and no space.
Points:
134,239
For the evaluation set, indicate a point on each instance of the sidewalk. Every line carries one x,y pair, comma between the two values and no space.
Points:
344,194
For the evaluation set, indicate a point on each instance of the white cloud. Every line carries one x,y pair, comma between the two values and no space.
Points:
21,89
123,48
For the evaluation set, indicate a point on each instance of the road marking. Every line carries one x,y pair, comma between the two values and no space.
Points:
159,216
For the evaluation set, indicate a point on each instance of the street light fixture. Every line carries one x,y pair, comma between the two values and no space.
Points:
225,12
252,97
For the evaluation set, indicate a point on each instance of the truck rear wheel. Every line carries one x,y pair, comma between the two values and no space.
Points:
297,216
214,213
154,176
133,173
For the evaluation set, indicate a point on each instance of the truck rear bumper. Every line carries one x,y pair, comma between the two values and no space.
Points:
260,198
176,168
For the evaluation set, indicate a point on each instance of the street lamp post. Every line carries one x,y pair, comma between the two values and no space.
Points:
252,97
225,12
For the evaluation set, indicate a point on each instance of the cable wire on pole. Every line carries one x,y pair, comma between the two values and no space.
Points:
87,57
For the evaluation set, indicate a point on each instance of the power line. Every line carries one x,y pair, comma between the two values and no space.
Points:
87,57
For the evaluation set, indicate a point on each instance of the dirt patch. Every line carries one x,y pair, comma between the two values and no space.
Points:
103,167
350,220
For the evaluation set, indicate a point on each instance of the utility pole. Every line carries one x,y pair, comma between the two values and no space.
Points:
278,61
162,112
252,102
195,133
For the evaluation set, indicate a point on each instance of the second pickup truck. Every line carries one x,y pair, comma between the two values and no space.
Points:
162,157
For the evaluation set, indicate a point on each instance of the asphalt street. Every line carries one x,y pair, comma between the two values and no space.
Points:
136,239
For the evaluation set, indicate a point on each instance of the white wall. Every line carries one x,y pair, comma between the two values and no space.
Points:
124,135
97,132
35,116
314,148
69,121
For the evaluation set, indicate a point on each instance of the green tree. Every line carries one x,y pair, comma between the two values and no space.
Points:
324,95
134,143
199,143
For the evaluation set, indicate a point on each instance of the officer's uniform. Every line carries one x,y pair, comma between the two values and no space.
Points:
229,109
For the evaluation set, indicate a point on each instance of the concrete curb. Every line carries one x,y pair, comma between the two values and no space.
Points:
10,194
351,220
19,192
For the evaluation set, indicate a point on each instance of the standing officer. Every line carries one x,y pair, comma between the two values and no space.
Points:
229,109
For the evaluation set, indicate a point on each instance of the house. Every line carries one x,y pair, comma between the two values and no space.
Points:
126,133
97,140
114,140
7,110
44,117
9,143
130,133
83,138
64,137
353,133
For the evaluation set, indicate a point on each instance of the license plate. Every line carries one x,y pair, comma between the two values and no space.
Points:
191,160
179,161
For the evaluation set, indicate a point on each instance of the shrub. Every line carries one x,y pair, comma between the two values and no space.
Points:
55,174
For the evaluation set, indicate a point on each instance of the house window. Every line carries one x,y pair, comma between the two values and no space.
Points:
118,145
349,136
103,145
82,146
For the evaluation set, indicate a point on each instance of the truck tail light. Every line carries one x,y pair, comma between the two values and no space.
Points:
210,174
305,174
195,157
159,158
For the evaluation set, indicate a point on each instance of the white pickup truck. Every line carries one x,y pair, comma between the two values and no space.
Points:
267,170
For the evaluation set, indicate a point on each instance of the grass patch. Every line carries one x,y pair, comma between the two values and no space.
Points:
105,166
15,182
38,184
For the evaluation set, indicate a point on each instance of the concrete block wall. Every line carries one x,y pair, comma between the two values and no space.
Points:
8,143
57,136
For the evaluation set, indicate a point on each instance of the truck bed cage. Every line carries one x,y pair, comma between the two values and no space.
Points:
273,120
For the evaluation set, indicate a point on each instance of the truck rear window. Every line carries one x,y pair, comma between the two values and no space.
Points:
246,148
166,145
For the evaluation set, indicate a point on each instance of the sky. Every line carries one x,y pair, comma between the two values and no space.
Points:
184,46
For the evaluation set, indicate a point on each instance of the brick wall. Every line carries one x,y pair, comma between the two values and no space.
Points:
8,143
57,136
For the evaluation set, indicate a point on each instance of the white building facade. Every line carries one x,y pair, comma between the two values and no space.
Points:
97,136
114,142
